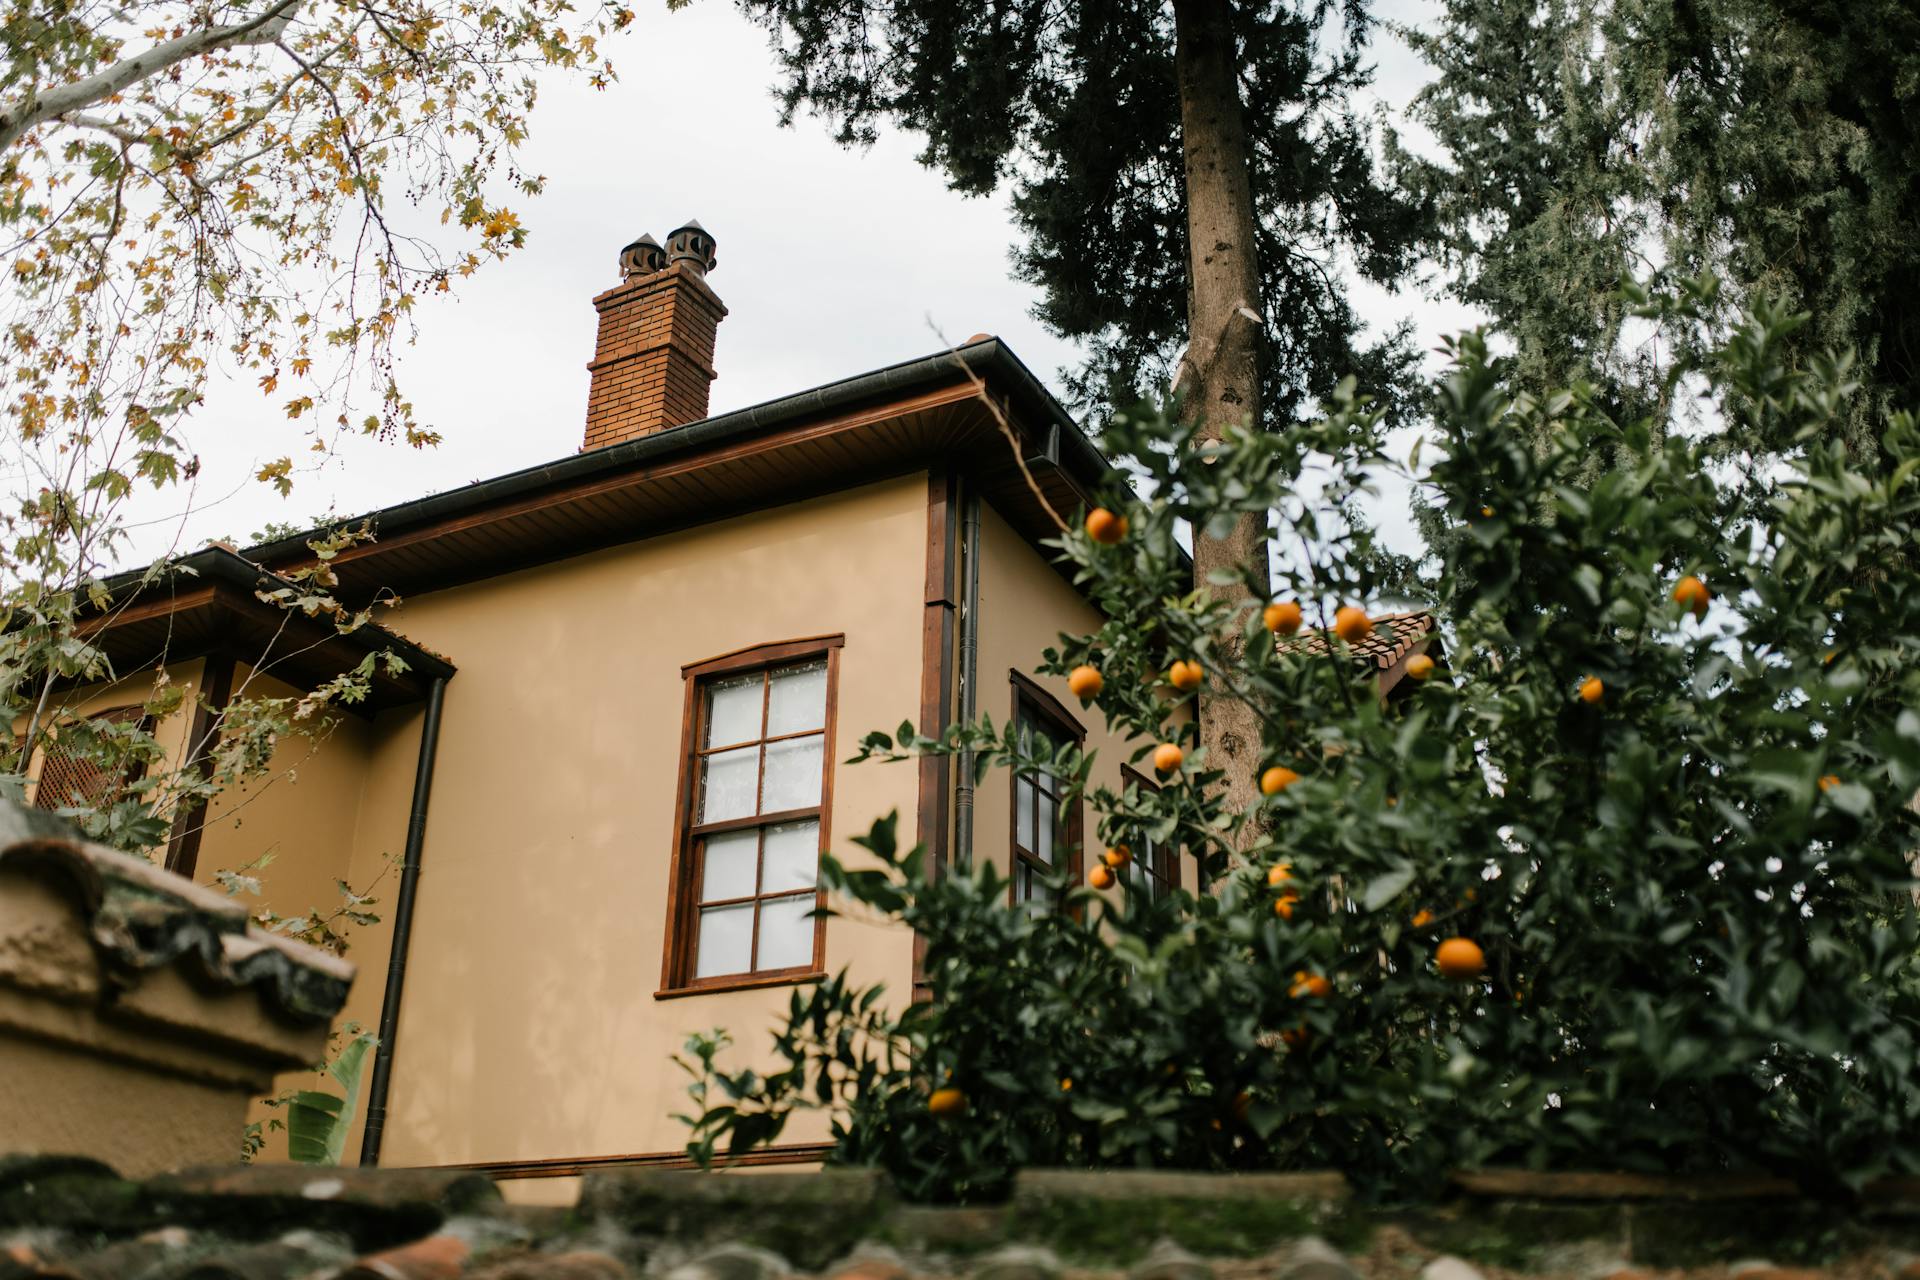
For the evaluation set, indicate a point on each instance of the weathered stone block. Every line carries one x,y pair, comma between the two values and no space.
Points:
810,1218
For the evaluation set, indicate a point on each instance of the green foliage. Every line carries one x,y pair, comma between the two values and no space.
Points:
1694,896
1587,141
1076,109
318,1123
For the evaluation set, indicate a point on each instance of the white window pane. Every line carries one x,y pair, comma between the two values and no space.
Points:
793,774
1046,821
726,941
1023,813
793,856
733,710
798,700
729,867
786,934
727,782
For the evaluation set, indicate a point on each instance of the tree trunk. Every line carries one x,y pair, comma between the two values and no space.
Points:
1220,377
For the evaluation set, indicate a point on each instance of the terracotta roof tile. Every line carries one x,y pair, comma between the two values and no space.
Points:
1394,636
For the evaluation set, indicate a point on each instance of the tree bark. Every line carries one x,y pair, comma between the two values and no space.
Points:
1220,375
34,107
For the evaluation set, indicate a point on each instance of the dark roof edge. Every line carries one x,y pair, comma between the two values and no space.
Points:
989,359
219,564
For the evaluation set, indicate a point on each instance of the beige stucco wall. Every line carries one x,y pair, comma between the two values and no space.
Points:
1025,606
530,1028
293,828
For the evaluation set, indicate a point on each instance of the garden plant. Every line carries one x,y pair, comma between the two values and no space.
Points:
1619,877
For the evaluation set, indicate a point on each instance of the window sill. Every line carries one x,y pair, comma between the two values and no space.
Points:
746,982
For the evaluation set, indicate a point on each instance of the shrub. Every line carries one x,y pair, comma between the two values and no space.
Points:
1692,891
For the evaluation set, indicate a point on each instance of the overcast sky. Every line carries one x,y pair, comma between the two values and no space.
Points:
831,262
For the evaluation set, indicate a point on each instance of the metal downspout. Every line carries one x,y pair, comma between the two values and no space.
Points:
969,677
402,927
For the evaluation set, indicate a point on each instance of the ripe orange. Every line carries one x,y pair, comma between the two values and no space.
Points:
1101,877
1422,918
1691,593
1459,958
1829,782
1591,691
1105,527
1186,676
1296,1036
1066,1084
1419,667
1279,873
1167,757
1283,905
1351,624
1277,779
1085,683
1117,857
1310,984
947,1102
1282,617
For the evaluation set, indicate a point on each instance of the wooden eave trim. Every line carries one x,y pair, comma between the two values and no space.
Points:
178,602
1392,675
645,474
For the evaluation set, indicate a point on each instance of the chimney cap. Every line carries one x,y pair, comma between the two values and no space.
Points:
691,245
642,257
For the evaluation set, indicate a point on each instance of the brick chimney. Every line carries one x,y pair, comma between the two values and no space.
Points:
654,356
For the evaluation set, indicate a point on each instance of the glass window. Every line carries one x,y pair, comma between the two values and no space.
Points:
1155,867
754,830
1046,824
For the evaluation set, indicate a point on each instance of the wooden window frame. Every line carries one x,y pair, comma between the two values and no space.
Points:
683,881
1169,857
1049,713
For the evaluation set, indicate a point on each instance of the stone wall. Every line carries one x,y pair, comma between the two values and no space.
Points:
77,1219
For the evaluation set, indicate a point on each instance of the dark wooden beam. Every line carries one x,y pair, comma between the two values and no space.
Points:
936,680
203,735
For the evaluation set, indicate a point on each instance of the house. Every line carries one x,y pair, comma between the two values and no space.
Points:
592,805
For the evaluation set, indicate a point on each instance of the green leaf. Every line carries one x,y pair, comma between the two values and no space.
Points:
1385,887
318,1123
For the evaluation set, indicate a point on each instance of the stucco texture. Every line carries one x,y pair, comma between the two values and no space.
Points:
530,1028
1025,607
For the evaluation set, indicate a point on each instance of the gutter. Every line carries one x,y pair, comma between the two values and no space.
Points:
382,1077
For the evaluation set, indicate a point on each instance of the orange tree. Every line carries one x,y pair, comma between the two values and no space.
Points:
1624,882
